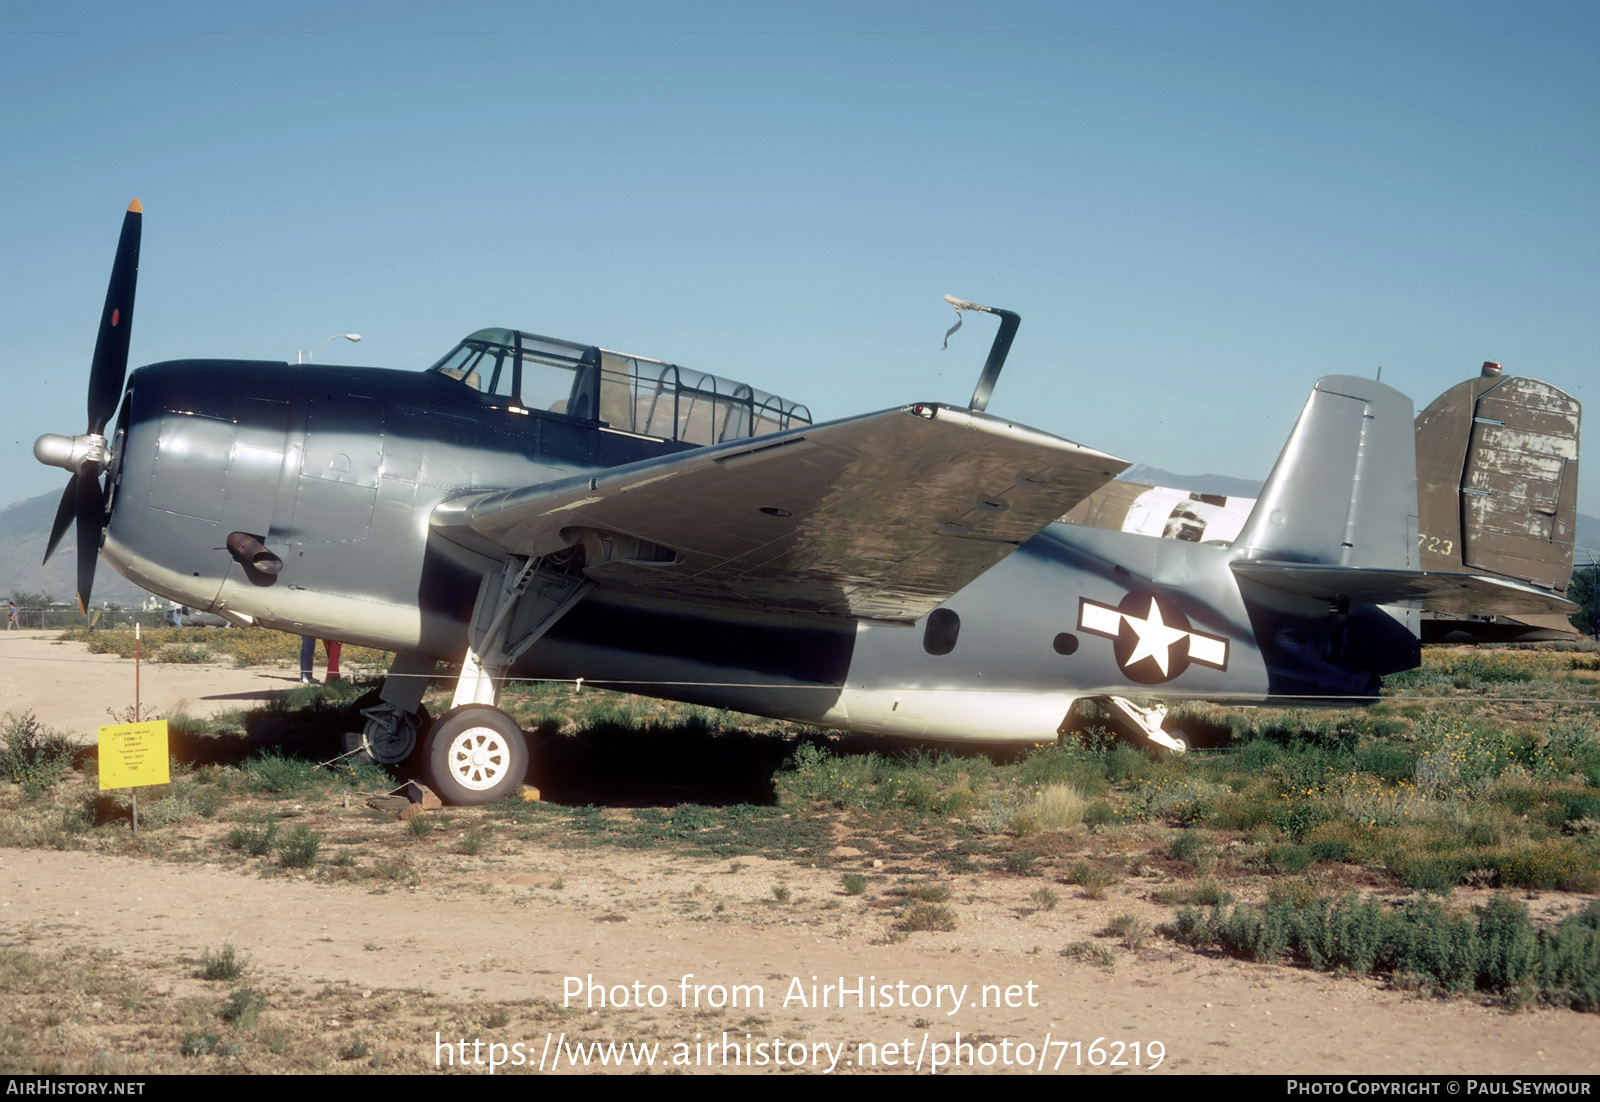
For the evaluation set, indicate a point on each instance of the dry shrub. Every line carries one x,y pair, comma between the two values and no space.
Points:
1054,807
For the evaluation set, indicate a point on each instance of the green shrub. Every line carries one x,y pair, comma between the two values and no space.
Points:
1560,863
1331,849
1099,814
1091,953
1130,929
199,1042
1186,846
272,772
1261,934
929,916
31,754
226,963
1046,899
255,840
243,1007
1454,755
1194,928
1387,761
1498,950
1432,872
1290,857
1022,864
187,654
299,850
1093,879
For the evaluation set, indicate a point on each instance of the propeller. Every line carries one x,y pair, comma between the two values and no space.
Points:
84,502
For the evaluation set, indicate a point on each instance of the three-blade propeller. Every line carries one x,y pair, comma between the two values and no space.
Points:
84,502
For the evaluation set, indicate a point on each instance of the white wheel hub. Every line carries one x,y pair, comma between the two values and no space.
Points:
479,758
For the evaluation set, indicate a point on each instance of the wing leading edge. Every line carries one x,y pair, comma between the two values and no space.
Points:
882,516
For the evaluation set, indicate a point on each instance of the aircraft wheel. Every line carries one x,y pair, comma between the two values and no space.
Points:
475,754
1185,744
387,743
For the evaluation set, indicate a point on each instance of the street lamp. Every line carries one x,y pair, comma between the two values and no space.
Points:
304,355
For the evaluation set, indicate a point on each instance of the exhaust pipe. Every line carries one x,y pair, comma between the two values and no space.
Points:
253,553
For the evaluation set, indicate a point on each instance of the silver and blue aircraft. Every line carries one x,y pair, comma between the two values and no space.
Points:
532,507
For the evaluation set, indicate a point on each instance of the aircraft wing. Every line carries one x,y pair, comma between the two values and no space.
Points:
882,516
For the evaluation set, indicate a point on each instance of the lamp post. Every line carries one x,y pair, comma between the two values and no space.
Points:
304,355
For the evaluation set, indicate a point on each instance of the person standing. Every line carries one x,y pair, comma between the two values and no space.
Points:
308,658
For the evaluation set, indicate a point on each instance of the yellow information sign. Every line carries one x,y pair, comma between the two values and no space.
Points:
133,754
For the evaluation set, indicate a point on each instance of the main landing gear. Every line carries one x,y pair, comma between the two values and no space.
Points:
1142,726
474,753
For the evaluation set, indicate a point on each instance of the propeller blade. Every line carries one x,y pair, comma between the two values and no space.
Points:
91,512
64,514
110,367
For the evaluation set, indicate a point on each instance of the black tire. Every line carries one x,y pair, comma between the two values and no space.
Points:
355,722
474,755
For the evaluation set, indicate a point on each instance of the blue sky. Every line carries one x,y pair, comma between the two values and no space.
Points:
1198,208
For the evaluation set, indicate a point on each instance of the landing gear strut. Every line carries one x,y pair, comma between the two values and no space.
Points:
475,753
1142,725
393,718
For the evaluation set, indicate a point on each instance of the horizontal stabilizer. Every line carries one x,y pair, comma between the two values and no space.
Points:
1459,594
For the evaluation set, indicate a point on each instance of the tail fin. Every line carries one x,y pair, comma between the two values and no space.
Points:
1344,490
1497,461
1337,519
1497,474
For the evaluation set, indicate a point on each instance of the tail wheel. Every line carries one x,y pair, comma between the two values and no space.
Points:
389,740
475,754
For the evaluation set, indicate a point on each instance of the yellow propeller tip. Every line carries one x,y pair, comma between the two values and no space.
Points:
135,208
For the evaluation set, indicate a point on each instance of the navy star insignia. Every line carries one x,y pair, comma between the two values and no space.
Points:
1153,643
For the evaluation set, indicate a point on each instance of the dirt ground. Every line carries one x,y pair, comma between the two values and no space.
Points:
520,926
73,691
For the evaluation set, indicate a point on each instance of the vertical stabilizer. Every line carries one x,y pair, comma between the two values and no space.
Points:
1497,458
1344,490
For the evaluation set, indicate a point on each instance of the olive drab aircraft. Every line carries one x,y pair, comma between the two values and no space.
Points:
531,507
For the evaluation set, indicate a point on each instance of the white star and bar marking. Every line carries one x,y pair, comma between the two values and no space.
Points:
1154,637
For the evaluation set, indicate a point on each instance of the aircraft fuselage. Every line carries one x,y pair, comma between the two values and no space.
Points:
336,471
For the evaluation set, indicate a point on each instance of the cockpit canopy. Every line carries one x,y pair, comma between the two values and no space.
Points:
630,393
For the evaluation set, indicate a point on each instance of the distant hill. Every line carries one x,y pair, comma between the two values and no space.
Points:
1194,483
24,530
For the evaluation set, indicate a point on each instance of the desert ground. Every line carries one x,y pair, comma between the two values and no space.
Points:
104,953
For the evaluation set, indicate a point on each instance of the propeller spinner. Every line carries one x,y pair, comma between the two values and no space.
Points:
86,456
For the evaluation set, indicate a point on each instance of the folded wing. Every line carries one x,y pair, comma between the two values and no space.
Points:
882,516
